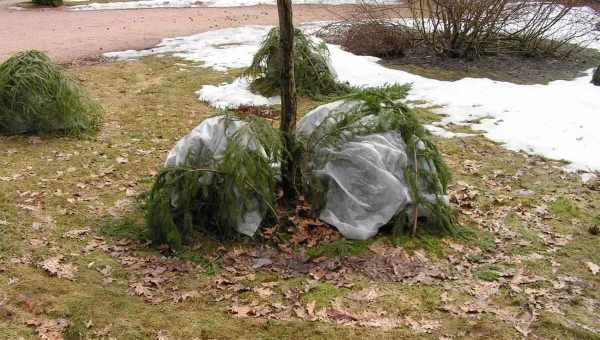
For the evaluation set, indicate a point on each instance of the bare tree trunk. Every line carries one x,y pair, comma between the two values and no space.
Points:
288,100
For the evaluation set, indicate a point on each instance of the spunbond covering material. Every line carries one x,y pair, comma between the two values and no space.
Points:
363,176
206,144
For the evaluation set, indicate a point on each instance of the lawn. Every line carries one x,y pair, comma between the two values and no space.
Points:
75,258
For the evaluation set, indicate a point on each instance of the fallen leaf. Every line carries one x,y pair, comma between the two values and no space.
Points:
263,292
122,160
522,322
423,325
162,335
194,294
35,140
594,268
364,295
76,233
242,311
54,266
310,308
49,329
140,290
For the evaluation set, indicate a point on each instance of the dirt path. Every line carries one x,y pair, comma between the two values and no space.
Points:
67,35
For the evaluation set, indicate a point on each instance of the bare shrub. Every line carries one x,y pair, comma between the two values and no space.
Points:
390,40
471,28
468,28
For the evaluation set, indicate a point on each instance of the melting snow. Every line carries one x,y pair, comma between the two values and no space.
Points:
234,95
557,120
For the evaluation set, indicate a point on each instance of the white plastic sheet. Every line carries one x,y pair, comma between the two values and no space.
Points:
364,175
207,143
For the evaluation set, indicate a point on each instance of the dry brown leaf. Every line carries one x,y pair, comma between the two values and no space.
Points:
242,311
54,266
310,308
162,335
122,160
522,322
49,329
76,233
364,295
594,268
140,290
263,292
193,294
423,325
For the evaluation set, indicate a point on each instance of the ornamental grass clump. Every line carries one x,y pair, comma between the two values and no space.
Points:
313,74
212,193
36,96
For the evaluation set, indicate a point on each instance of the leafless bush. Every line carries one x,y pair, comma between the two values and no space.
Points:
377,39
471,28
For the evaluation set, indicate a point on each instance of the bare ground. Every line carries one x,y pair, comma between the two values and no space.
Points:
67,35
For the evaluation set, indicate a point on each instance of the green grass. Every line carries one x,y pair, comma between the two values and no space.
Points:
339,248
322,294
149,105
430,242
487,275
564,208
127,227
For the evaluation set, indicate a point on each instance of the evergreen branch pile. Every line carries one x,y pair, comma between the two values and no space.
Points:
381,111
313,75
36,96
213,196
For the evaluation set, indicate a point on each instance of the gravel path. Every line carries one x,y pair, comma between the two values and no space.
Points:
69,36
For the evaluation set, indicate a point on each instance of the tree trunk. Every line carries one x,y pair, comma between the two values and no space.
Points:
288,101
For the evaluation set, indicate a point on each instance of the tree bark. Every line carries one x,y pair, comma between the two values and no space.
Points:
288,101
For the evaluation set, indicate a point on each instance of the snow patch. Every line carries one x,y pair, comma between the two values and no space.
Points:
443,133
234,95
557,120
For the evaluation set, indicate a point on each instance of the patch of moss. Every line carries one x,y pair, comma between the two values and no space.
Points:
76,330
210,267
127,227
322,293
430,298
550,327
487,275
430,242
512,219
564,208
339,248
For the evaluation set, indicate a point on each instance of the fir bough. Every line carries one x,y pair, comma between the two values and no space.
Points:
382,111
213,196
313,75
36,96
